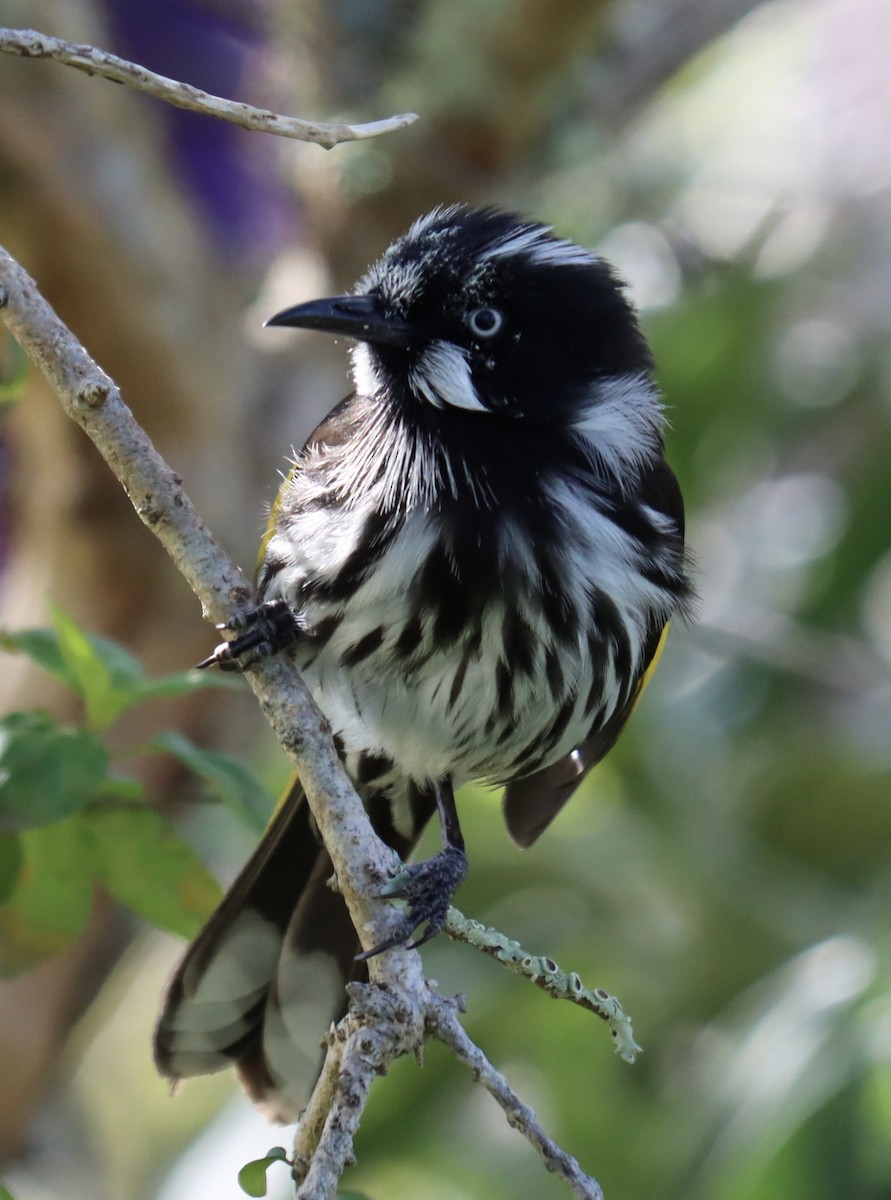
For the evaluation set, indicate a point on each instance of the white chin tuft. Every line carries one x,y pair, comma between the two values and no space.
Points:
442,377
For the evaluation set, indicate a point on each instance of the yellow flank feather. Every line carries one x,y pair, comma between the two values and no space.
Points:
648,673
273,517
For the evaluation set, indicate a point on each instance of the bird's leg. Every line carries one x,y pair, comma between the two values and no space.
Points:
430,885
259,631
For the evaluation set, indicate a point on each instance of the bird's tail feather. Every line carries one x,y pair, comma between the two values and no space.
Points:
249,990
265,977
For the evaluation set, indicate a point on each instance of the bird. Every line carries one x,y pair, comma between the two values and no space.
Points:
473,561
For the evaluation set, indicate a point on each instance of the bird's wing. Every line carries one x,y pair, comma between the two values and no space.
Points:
331,431
531,803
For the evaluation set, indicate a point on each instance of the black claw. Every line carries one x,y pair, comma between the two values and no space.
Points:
388,944
428,887
265,630
222,657
210,660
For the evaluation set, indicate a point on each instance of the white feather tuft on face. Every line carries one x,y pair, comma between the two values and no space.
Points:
441,376
366,374
621,428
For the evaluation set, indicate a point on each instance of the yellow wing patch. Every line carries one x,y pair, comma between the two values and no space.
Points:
648,673
273,517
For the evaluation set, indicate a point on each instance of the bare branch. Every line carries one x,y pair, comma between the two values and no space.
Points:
364,1055
312,1120
446,1028
30,43
380,1027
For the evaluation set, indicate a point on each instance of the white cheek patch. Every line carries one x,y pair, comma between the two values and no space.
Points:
622,426
442,377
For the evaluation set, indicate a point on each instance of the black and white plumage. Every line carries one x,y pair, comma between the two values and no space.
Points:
482,547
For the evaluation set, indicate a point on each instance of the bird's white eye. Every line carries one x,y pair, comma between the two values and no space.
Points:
484,322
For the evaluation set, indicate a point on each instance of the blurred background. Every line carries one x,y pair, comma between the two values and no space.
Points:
727,873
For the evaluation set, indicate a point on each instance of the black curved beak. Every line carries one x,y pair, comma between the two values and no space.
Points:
360,317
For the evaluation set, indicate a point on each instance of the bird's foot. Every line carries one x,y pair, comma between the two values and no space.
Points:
259,631
428,887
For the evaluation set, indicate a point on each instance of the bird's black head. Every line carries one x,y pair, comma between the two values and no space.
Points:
481,310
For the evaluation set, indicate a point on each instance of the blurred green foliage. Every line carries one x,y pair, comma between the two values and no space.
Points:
726,871
70,821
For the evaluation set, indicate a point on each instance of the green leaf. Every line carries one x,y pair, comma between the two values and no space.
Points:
236,784
134,853
47,771
127,791
5,1193
51,899
42,646
10,864
105,675
180,683
146,865
252,1176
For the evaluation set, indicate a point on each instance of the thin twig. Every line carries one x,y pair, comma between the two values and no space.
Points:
446,1028
548,975
364,1056
311,1125
30,43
